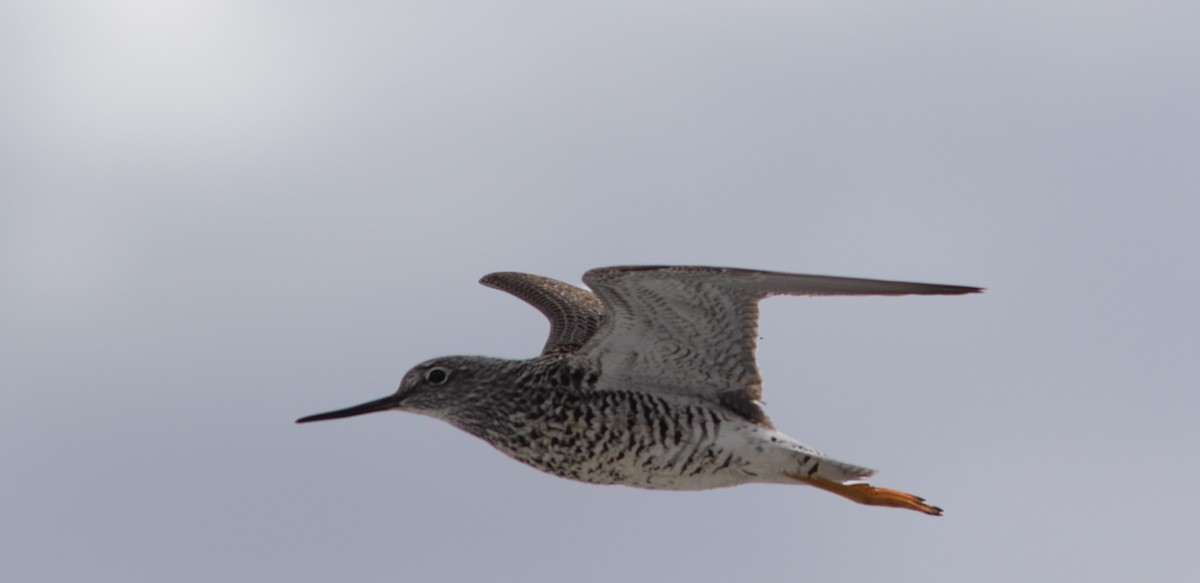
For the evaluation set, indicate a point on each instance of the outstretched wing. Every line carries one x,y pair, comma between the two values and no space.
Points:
574,313
694,330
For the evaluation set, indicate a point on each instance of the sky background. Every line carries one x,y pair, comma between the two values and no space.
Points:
217,216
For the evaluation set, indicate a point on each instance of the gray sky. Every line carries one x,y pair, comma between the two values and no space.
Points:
217,216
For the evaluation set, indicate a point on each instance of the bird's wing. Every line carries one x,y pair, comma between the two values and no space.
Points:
694,330
574,313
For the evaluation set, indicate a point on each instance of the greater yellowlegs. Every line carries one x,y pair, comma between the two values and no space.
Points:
649,381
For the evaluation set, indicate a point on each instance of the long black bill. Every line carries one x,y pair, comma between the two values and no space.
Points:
388,402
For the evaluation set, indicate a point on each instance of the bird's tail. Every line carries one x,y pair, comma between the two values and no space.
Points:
833,470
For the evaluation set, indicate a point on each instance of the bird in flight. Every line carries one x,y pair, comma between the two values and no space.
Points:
649,380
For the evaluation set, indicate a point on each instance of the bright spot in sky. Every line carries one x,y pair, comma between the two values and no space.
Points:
146,74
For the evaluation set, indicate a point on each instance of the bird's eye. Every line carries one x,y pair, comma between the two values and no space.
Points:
436,376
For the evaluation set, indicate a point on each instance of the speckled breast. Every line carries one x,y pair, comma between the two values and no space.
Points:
617,437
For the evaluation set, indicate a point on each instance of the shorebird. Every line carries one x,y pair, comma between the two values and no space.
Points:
649,380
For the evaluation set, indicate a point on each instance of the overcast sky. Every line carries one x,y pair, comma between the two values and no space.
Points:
217,216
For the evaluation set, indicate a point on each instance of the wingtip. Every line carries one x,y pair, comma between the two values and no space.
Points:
491,279
947,289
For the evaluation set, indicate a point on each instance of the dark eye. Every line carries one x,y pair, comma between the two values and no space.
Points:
436,376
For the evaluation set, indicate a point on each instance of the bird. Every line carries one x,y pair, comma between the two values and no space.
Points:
648,380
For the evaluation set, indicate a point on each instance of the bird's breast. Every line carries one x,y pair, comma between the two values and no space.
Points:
622,437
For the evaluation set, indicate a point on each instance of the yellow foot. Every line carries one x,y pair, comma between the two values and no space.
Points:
872,496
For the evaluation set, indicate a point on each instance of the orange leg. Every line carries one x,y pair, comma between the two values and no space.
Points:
870,495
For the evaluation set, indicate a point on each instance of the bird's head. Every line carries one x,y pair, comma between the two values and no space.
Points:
437,388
